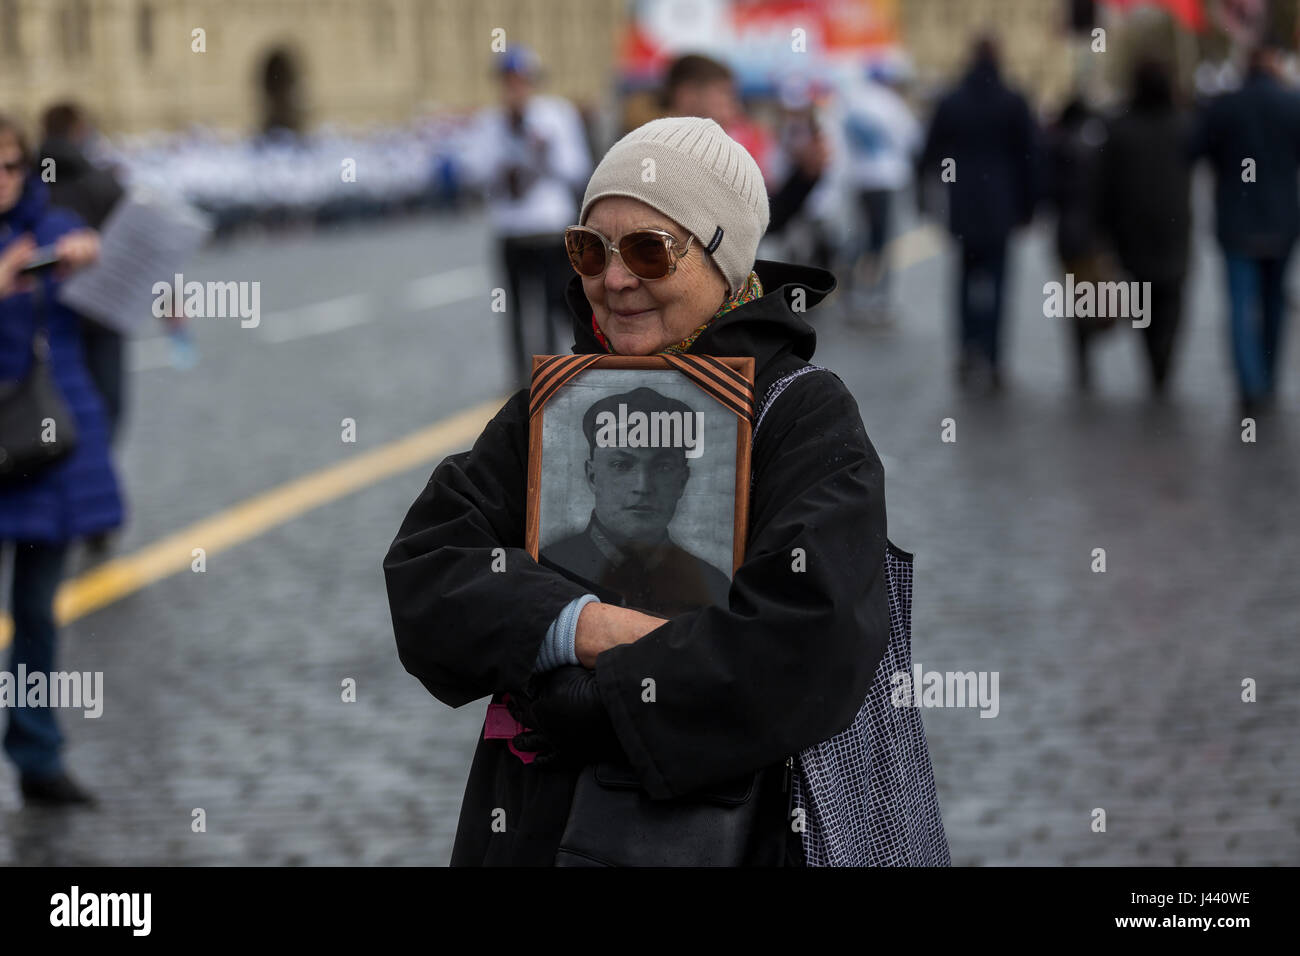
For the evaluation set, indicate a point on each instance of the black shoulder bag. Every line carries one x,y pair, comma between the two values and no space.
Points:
31,410
614,822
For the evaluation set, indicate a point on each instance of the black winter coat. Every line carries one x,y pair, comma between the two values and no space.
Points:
1144,192
1259,121
1071,155
987,128
739,688
79,185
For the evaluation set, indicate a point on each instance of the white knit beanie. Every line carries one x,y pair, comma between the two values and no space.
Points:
689,169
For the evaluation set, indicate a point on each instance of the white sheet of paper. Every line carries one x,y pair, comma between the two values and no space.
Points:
145,240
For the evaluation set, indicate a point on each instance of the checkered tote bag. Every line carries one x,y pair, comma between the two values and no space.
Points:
867,794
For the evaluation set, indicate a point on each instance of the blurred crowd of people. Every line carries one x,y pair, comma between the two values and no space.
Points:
284,177
841,149
1119,182
845,146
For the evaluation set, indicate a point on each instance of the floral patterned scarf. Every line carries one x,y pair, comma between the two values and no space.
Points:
750,291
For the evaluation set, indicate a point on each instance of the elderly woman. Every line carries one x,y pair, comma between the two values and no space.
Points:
675,211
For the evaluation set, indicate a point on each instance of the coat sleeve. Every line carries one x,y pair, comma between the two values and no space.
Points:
469,619
789,662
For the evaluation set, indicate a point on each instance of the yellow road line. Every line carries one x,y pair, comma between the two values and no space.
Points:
118,577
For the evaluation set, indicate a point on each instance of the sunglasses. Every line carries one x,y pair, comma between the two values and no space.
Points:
646,253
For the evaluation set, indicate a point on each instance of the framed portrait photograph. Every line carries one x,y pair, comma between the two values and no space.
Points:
638,475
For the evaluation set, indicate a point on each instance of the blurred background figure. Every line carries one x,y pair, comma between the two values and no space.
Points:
792,166
75,182
92,192
43,512
697,85
802,158
982,143
881,139
1072,150
532,158
1251,137
1144,205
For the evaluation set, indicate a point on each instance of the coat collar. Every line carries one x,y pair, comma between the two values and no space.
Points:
763,328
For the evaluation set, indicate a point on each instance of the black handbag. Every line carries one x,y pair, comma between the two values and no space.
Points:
32,408
614,822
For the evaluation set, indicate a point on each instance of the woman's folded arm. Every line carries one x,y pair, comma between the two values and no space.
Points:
470,606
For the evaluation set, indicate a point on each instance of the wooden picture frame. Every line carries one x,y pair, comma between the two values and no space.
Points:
604,431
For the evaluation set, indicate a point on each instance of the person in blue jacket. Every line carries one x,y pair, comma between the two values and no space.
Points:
43,512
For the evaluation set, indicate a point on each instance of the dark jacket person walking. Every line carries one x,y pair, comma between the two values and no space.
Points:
1144,203
786,660
1073,157
1251,138
982,144
92,193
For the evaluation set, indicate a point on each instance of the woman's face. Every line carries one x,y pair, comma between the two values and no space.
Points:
642,317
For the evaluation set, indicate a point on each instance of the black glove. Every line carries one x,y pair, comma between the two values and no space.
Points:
569,725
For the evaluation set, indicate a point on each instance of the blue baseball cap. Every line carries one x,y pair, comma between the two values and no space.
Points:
520,60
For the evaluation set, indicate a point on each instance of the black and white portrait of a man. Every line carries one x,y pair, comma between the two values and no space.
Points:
632,525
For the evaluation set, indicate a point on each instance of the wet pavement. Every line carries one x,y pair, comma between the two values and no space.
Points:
1118,690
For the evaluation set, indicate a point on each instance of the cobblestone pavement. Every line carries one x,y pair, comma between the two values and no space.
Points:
1119,690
